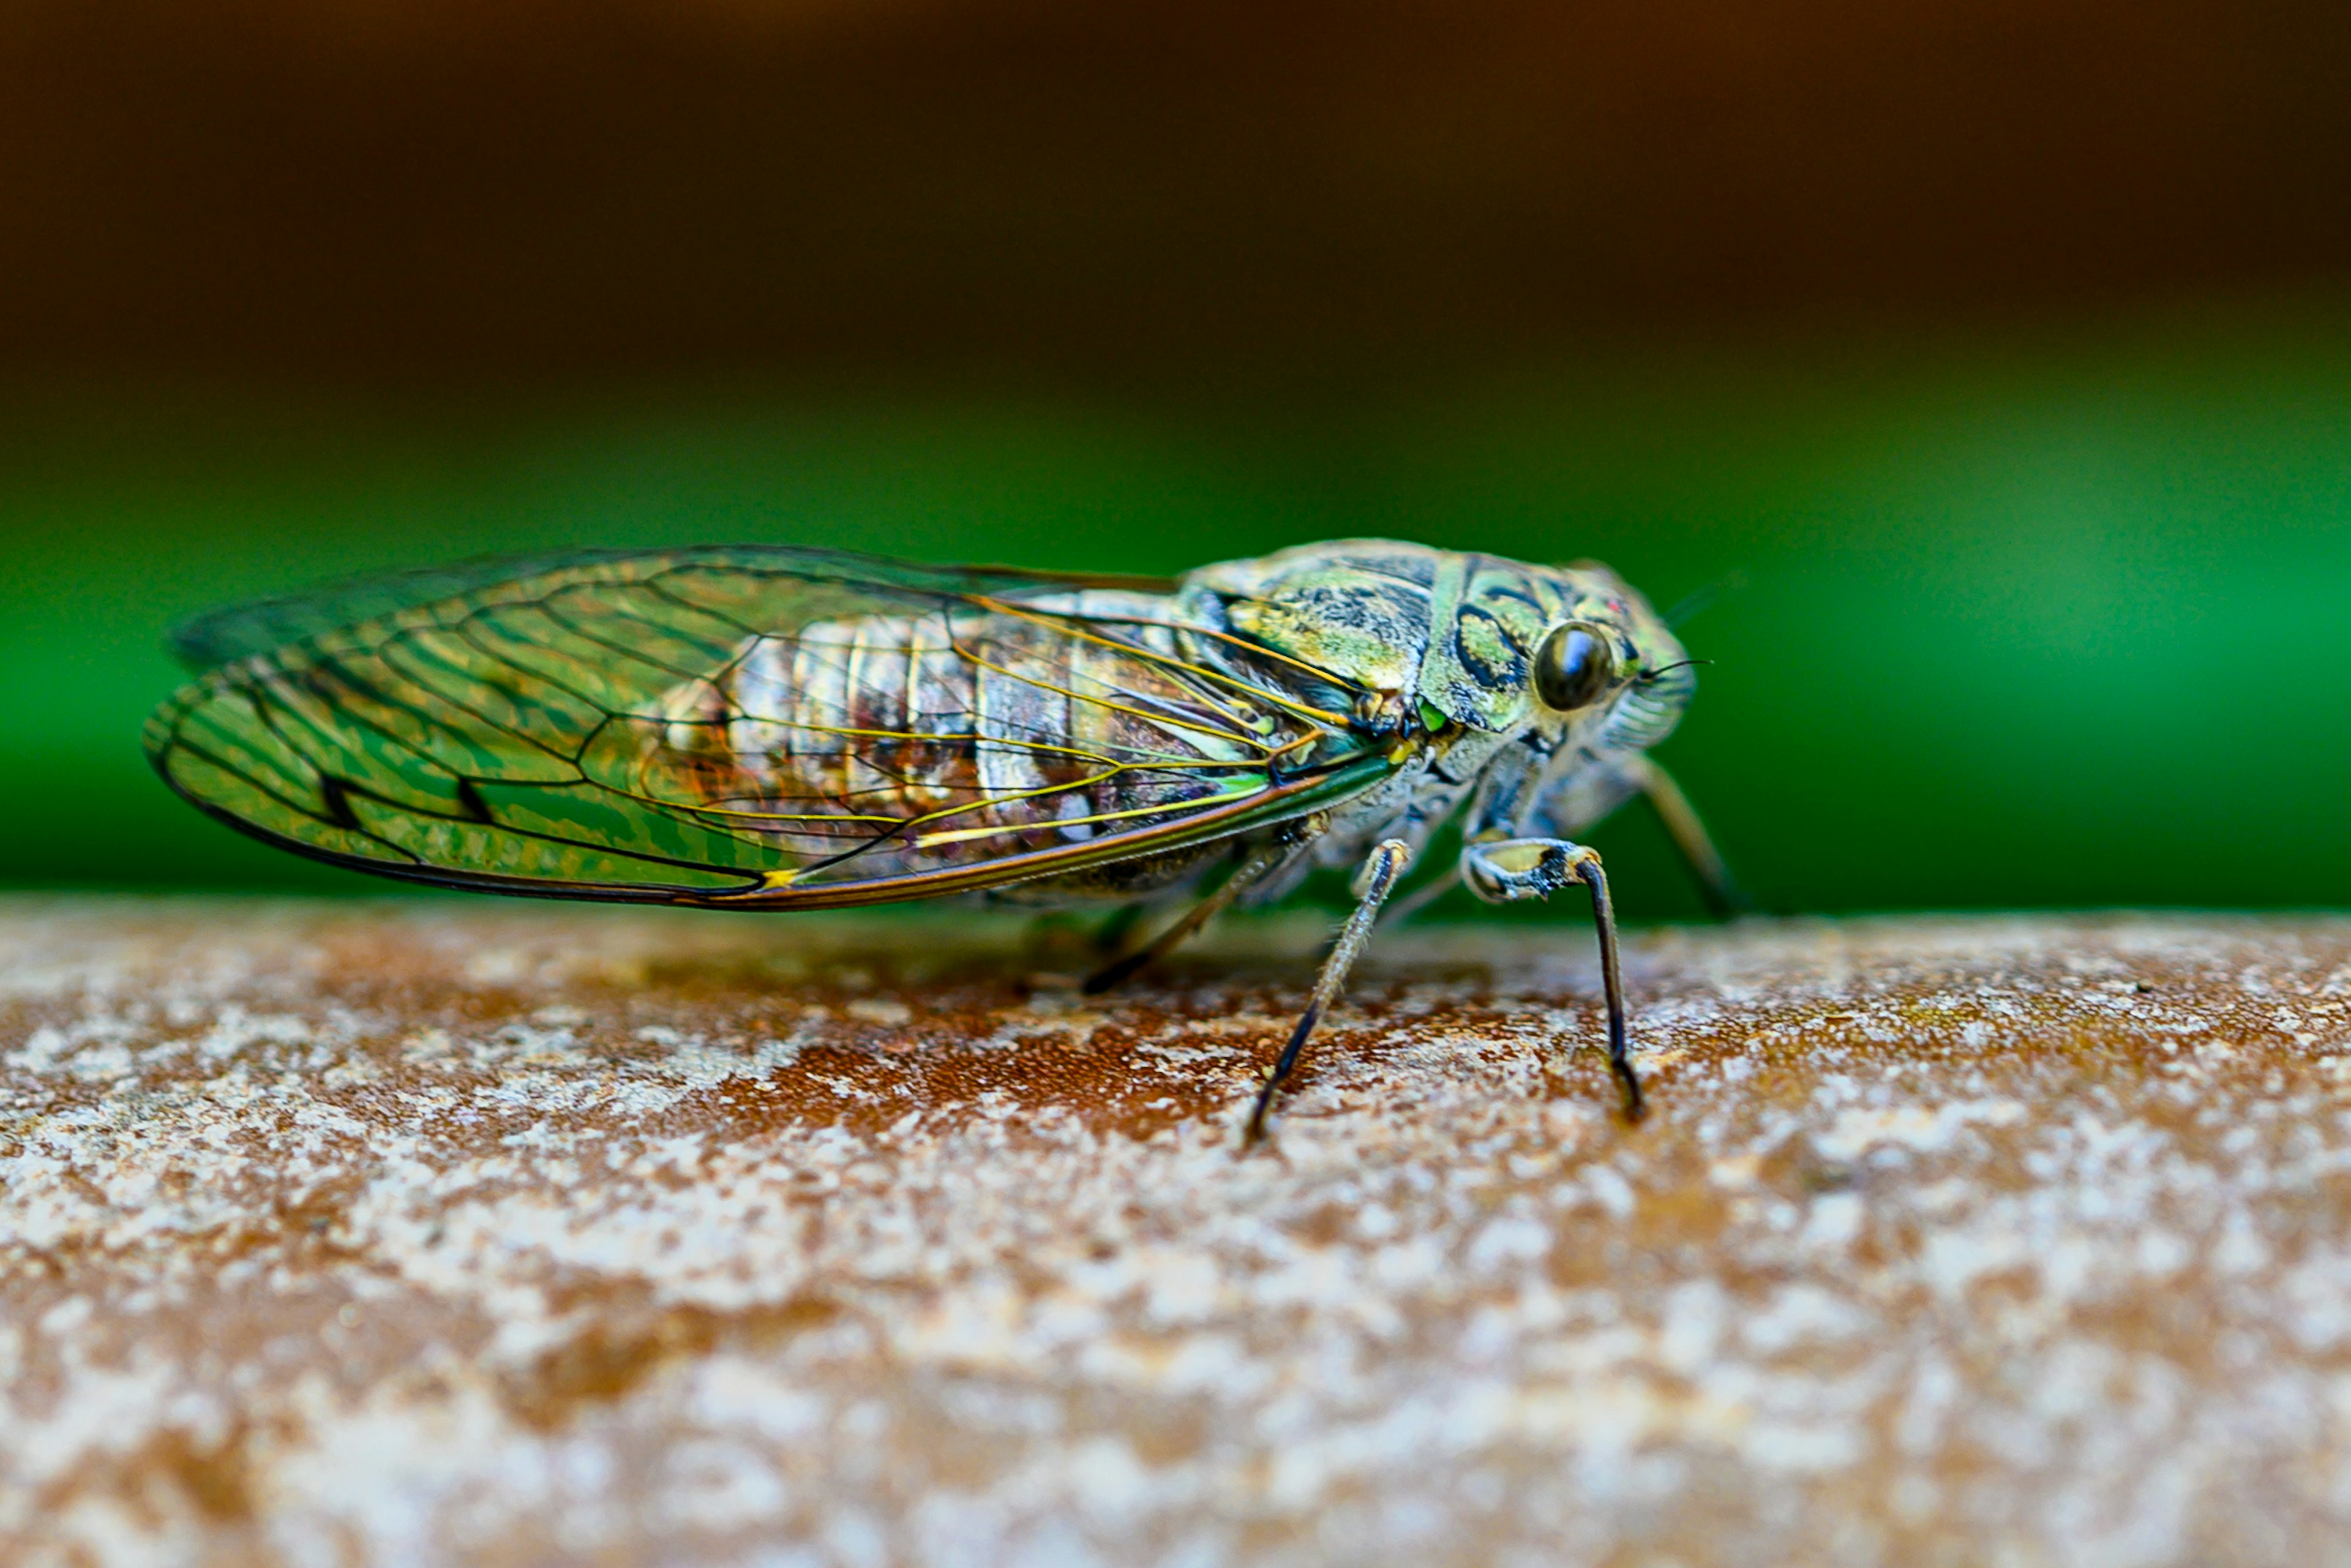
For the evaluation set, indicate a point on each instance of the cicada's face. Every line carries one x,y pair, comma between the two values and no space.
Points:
1605,677
1496,647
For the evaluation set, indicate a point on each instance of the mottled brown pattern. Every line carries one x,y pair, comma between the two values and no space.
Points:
429,1234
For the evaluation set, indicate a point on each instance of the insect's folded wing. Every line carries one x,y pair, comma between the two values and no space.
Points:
241,631
236,631
513,738
421,751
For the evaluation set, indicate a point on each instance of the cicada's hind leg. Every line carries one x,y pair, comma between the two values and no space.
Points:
1111,933
1508,869
1720,890
1379,878
1258,864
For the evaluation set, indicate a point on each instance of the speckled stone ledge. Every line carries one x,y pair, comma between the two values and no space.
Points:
475,1233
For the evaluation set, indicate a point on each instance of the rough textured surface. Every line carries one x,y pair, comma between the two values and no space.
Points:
494,1234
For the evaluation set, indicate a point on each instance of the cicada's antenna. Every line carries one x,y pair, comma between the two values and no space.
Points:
1700,599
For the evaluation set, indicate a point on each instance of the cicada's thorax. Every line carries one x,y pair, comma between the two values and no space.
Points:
1447,640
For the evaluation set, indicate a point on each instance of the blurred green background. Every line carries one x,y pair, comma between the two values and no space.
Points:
1996,365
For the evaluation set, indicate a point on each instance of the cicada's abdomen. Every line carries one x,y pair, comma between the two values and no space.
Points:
921,741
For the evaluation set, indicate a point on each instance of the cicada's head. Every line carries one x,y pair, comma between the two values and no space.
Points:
1603,671
1475,642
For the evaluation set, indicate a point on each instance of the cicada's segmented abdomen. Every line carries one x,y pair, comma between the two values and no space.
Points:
959,736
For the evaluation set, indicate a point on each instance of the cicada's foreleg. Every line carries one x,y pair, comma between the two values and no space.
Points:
1720,890
1254,867
1508,869
1378,880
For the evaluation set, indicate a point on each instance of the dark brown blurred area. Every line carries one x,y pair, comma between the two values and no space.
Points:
521,188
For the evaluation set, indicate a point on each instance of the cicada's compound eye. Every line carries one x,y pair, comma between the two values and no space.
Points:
1573,668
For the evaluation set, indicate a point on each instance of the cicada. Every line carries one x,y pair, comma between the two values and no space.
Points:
773,727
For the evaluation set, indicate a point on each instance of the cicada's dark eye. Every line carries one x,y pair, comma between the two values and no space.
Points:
1573,667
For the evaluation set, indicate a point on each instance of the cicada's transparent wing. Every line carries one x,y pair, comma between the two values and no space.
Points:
760,725
240,631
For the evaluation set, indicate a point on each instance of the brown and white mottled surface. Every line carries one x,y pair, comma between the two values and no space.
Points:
494,1234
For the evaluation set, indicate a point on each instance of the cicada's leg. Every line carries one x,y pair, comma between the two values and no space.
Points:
1256,865
1720,890
1501,871
1112,933
1380,873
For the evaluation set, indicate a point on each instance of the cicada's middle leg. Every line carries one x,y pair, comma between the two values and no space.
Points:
1387,863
